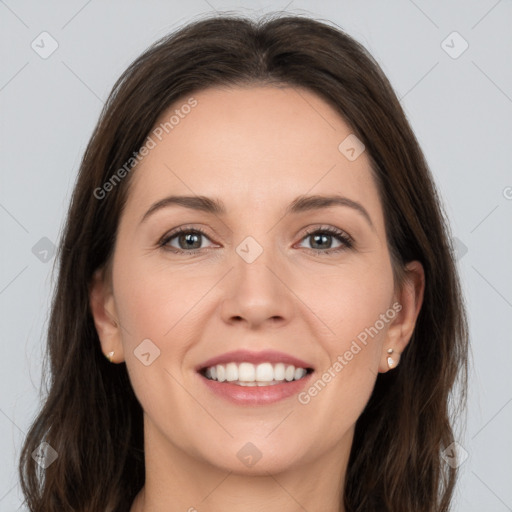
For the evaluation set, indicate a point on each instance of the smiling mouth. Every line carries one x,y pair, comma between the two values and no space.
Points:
248,374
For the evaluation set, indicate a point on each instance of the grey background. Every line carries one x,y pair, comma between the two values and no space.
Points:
460,109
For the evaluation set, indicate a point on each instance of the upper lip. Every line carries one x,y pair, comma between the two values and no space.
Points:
264,356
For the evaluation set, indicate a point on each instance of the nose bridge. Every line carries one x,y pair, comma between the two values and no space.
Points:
257,292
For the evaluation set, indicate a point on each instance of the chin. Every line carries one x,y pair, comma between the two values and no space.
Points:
255,458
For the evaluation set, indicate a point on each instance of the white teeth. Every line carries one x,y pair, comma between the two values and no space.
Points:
264,372
279,371
248,374
231,372
298,373
221,373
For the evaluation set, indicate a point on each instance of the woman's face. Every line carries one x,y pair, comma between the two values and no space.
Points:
264,276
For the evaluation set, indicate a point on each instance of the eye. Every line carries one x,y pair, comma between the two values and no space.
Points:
188,240
322,239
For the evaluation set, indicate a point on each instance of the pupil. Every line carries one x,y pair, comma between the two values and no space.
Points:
324,237
189,240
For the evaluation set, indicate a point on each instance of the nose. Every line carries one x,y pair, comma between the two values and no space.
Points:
258,293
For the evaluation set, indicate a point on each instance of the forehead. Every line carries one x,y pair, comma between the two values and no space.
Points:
250,145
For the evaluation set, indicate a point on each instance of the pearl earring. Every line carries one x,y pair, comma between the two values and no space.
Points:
391,361
110,356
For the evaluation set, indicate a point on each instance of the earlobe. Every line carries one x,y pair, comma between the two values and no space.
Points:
101,302
410,299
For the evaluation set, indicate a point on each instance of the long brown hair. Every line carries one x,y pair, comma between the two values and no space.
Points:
91,416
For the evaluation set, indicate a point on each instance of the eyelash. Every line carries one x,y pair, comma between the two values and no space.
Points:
341,236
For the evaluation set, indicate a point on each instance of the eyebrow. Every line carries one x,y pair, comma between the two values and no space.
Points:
298,205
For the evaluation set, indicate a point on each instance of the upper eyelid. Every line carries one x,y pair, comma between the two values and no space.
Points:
307,231
176,231
333,231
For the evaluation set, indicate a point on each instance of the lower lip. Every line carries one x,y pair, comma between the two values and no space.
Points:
256,395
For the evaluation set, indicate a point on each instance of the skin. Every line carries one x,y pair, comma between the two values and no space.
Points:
256,148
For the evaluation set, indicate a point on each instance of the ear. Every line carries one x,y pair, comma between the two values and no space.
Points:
408,301
101,302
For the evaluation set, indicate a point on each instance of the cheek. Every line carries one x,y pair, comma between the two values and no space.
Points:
343,386
350,300
142,310
162,305
352,304
158,307
152,298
